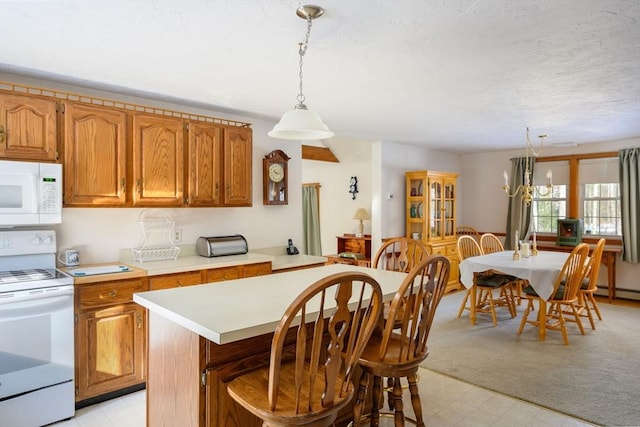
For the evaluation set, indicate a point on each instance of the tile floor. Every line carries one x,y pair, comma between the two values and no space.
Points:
447,402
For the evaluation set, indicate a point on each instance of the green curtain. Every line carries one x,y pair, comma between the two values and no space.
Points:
630,203
311,220
518,215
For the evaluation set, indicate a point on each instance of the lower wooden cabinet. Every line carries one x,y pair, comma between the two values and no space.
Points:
168,281
450,250
110,337
237,272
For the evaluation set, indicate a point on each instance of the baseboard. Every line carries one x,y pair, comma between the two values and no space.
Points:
620,293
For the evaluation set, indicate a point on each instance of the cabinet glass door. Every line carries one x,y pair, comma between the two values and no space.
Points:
449,210
435,209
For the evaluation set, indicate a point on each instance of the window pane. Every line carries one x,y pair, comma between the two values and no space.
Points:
548,208
601,209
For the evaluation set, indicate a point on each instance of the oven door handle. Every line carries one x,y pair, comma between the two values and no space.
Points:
34,302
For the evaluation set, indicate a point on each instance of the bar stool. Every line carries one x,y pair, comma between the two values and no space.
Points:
308,379
396,352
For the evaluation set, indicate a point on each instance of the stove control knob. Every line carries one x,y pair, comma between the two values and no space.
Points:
48,240
37,240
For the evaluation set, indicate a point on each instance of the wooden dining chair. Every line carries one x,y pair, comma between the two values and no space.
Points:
586,299
398,352
563,303
308,381
467,230
490,243
486,284
400,254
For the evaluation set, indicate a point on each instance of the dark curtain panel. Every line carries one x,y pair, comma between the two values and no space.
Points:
518,215
630,203
311,220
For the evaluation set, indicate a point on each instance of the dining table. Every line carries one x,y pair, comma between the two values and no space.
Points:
540,270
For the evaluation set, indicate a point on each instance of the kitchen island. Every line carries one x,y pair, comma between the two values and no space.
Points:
201,336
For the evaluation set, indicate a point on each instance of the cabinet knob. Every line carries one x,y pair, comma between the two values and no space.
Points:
139,320
2,134
122,182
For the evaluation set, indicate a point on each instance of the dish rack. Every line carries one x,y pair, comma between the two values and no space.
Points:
157,230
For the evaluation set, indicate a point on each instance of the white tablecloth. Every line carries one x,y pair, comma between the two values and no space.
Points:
541,271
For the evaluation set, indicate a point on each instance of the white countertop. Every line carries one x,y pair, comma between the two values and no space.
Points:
233,310
189,261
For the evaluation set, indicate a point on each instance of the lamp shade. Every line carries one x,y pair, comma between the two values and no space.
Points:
301,124
361,213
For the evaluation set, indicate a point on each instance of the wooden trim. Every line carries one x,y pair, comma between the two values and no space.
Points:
126,106
578,156
323,154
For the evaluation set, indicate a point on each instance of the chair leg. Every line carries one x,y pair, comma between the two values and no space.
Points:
563,328
397,404
464,303
375,401
360,399
594,304
415,398
493,309
576,314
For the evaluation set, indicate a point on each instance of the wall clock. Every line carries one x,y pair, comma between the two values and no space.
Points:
275,179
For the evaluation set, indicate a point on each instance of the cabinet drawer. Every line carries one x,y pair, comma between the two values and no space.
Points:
260,269
174,280
109,293
224,273
452,251
438,250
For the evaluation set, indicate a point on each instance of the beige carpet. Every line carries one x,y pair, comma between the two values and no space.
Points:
596,378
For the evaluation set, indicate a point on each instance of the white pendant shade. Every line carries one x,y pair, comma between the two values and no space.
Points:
300,124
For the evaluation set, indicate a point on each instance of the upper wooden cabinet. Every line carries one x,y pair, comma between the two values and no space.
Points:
219,165
28,128
205,165
158,159
237,152
94,156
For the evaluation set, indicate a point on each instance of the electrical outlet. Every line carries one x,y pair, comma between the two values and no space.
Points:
177,235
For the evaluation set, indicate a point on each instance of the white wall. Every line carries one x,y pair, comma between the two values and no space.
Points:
482,175
336,205
100,233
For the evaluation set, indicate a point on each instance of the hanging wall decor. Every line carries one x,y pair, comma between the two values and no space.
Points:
353,187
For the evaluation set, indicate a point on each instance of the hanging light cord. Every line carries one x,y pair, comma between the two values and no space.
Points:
301,51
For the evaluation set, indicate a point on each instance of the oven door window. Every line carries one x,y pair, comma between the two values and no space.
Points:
36,342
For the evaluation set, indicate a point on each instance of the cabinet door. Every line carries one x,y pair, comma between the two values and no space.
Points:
157,161
237,148
110,349
94,156
27,128
168,281
205,165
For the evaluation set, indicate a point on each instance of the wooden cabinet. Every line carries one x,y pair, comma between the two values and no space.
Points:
158,159
360,247
204,165
110,337
219,165
237,154
237,272
28,128
95,160
431,215
168,281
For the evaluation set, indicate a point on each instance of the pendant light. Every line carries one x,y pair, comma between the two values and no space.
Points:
302,123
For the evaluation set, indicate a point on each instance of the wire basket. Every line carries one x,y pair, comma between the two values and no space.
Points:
155,253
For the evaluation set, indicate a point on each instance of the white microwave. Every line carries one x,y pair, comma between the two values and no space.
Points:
30,193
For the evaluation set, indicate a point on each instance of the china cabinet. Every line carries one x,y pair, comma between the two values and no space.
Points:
431,215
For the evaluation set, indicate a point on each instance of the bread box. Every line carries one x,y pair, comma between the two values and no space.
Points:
221,245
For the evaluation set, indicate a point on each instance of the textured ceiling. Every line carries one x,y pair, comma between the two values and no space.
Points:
455,74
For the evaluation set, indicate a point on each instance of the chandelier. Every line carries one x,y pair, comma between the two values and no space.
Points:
302,123
528,189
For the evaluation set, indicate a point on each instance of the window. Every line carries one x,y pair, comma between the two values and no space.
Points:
601,209
584,186
549,208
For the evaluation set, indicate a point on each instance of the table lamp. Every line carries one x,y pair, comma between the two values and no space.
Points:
361,214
